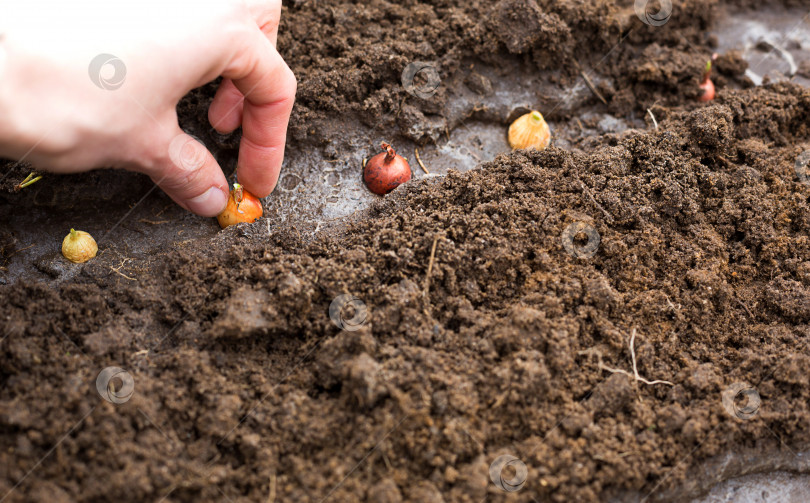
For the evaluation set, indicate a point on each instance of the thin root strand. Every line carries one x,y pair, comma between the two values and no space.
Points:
634,375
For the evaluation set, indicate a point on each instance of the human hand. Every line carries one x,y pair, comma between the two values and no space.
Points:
64,110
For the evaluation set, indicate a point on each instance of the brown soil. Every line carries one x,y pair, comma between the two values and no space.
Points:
484,336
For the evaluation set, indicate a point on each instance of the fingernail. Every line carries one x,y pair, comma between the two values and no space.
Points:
210,203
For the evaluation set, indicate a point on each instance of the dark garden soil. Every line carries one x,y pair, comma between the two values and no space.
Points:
484,336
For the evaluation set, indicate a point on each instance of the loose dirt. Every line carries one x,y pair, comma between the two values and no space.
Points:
476,316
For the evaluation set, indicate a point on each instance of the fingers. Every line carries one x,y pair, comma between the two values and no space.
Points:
268,86
270,30
225,112
267,14
190,175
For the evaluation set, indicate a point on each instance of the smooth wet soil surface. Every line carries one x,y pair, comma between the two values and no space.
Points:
487,312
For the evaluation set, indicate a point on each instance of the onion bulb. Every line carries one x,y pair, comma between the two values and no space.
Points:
386,171
242,207
79,246
706,84
529,131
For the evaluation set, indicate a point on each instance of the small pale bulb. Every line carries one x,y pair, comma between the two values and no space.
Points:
529,131
79,246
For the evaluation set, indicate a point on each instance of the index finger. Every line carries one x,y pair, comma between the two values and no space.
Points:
268,85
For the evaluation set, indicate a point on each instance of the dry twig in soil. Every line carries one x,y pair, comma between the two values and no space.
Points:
593,88
430,264
419,160
655,122
427,276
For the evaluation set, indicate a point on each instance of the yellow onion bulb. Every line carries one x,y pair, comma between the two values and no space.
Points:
529,131
79,246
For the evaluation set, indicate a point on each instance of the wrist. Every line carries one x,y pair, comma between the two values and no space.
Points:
5,132
5,126
11,145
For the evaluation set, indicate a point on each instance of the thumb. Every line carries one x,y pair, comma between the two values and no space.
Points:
191,176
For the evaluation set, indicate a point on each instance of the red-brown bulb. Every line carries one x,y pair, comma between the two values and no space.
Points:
706,84
708,90
386,171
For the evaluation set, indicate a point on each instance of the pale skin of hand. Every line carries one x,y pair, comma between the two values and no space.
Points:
54,114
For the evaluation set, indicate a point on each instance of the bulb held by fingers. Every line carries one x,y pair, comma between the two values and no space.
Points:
242,207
